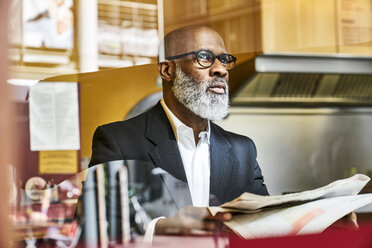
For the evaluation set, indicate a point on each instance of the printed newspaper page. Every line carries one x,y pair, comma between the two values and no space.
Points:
298,213
311,217
252,203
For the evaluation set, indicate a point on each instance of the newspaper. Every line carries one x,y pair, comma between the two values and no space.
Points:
298,213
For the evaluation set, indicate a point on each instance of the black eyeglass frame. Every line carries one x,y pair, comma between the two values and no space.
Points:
196,53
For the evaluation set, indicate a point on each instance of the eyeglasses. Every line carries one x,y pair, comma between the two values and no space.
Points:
206,58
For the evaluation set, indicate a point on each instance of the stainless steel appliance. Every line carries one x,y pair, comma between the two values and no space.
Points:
309,116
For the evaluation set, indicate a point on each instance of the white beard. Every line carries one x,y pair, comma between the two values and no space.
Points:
195,96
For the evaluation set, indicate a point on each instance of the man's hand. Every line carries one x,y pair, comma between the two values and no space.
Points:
347,222
192,220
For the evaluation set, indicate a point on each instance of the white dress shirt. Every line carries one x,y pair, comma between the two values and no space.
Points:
195,158
196,161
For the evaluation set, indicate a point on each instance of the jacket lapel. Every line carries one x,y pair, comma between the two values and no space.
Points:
224,166
165,154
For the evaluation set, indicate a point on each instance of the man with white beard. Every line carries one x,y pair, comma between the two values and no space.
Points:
197,97
177,135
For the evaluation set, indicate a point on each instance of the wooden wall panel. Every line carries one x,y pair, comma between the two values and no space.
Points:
299,26
237,21
317,26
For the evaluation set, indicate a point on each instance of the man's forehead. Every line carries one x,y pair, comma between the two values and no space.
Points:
195,39
208,40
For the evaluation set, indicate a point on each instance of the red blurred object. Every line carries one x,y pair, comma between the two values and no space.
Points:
360,238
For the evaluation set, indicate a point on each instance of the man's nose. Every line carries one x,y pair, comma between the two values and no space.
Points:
218,69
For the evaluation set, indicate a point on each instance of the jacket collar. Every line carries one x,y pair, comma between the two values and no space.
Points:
224,166
165,154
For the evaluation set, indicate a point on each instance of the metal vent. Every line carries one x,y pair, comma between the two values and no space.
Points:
354,86
308,81
296,85
305,89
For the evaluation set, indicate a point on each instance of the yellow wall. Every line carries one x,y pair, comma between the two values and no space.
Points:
108,96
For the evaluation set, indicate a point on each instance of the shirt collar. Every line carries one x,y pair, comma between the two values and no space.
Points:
178,125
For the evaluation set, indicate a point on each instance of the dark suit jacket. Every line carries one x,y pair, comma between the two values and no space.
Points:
149,137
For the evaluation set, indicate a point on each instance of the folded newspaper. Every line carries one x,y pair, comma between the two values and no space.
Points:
297,213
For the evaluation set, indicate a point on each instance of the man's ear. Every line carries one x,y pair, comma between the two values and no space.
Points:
167,70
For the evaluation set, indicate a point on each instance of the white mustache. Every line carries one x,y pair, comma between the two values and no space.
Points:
217,82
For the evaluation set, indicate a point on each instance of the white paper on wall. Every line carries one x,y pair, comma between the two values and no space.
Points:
54,116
